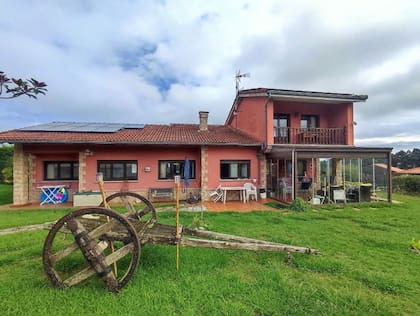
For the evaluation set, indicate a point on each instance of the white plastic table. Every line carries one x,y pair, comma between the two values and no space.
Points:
241,190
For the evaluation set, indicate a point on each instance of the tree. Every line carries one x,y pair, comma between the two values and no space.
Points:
406,159
7,172
6,163
13,88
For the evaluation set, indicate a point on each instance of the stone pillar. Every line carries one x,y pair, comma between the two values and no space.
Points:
20,176
262,171
339,171
82,171
317,179
204,173
34,193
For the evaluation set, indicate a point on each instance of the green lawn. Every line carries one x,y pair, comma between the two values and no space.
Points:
6,194
365,268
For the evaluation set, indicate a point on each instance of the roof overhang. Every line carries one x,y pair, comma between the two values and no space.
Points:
296,95
305,95
323,151
76,142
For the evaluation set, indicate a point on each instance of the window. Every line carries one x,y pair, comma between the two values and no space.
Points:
118,170
61,170
168,169
280,124
235,169
301,164
309,121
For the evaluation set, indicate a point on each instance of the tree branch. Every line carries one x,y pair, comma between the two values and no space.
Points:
17,87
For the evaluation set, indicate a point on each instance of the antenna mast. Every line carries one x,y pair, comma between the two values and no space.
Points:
238,77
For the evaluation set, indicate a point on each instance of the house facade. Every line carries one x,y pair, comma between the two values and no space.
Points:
288,143
308,145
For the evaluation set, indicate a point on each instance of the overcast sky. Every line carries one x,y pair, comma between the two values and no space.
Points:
163,61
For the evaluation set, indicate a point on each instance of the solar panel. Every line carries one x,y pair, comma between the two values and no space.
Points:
81,127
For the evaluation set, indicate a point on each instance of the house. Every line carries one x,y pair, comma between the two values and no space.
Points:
398,171
308,145
289,143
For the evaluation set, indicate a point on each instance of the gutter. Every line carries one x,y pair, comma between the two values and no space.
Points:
135,143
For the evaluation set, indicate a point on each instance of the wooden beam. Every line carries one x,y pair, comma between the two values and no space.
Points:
28,228
218,244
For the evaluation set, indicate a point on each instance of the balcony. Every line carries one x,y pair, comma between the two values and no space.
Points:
310,136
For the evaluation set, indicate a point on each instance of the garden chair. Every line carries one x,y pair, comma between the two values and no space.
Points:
250,190
217,194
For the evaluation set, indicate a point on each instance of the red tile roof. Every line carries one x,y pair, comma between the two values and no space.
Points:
151,134
398,170
410,171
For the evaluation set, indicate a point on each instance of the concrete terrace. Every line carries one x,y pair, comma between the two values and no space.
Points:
230,206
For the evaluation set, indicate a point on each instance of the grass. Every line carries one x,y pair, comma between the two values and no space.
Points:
366,268
276,204
6,194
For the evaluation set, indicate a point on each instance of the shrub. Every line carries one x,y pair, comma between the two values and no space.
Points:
299,205
409,184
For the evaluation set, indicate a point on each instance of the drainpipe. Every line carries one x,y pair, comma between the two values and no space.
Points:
265,121
293,174
264,146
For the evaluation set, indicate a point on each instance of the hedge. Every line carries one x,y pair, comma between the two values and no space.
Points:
406,184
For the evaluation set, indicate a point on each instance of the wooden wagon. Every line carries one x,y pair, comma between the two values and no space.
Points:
103,242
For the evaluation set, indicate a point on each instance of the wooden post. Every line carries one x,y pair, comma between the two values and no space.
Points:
389,176
177,180
100,179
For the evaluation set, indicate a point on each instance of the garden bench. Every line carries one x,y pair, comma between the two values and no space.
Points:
161,194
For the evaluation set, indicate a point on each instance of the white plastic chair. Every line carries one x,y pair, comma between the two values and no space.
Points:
217,194
250,190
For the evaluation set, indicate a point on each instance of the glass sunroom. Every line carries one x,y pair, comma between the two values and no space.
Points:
328,174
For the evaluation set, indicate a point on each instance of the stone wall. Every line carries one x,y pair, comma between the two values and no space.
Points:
204,173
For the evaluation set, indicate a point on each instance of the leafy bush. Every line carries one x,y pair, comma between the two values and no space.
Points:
409,184
299,205
6,164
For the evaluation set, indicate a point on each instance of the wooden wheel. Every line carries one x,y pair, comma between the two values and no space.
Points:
135,205
91,241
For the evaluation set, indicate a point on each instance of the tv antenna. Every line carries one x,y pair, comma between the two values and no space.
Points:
238,77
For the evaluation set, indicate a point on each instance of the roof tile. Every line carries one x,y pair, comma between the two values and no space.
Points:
150,134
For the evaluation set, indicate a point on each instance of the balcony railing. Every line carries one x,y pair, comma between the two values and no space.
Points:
310,136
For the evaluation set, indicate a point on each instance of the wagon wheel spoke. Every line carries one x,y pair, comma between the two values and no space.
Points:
69,261
134,204
89,271
100,230
128,205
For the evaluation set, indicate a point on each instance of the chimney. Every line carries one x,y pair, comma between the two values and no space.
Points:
203,120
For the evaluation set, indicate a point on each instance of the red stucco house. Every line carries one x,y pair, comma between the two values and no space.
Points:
289,143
